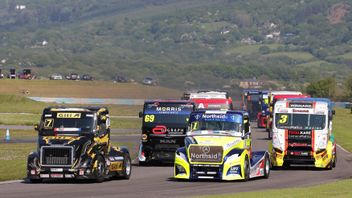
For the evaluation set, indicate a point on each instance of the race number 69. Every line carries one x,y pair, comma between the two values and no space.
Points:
149,118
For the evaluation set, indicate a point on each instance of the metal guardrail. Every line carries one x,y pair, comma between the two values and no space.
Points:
342,104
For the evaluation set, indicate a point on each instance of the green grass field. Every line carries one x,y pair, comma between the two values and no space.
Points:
20,104
18,110
347,56
301,56
340,189
341,128
249,49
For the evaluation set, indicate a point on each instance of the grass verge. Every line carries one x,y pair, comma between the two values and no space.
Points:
337,190
341,128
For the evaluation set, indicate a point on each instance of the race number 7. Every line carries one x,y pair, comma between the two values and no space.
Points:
149,118
48,123
283,119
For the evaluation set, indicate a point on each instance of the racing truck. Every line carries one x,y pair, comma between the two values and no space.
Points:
74,143
219,146
273,98
264,109
251,103
164,126
302,133
215,100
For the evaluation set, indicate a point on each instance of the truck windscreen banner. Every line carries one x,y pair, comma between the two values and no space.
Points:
168,108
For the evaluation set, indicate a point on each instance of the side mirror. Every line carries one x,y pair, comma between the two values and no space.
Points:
140,114
36,127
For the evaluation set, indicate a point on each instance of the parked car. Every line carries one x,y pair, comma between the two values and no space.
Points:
12,74
87,77
55,77
149,81
26,74
121,79
1,74
73,76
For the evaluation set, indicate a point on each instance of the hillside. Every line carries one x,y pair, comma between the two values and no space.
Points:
183,43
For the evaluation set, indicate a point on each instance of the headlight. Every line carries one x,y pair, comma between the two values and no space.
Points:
180,169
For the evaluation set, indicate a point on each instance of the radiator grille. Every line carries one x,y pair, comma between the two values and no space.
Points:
56,156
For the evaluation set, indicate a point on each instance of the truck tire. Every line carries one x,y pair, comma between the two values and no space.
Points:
246,168
266,166
335,160
100,171
127,167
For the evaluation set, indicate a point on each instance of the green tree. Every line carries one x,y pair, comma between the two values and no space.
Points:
348,86
264,49
325,88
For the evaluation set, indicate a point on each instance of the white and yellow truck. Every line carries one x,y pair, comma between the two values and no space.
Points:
302,133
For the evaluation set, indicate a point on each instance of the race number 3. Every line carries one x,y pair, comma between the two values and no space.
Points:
283,119
149,118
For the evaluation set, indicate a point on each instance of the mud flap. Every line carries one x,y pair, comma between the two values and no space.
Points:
141,156
257,163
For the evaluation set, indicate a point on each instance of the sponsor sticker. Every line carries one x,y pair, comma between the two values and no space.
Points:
206,153
68,115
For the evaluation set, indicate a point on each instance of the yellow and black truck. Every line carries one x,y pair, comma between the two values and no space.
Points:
74,143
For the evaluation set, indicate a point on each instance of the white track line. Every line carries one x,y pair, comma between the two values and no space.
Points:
343,148
11,181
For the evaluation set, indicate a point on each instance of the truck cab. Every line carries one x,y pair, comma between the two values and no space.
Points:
74,143
164,127
302,133
211,100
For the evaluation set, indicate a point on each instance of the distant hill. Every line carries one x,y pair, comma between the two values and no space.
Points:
183,44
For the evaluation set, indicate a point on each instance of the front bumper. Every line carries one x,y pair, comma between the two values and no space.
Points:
60,173
318,159
231,169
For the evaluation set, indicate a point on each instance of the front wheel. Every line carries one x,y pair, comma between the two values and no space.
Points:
100,170
246,168
127,167
266,166
335,160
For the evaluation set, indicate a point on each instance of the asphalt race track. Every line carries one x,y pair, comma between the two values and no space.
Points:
157,181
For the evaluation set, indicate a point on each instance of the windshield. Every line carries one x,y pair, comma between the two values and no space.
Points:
68,123
225,124
83,123
166,113
215,125
300,121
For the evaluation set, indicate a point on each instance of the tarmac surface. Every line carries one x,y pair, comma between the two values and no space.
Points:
157,181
